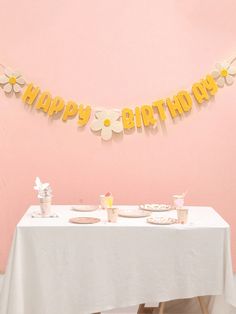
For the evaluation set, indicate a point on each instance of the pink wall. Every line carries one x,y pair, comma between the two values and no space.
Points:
114,54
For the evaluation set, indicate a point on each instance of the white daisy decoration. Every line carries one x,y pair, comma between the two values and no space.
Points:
107,121
11,81
224,73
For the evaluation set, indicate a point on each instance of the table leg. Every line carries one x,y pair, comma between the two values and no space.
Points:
161,307
141,308
145,310
202,305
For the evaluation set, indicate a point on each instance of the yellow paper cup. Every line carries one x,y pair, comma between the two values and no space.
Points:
109,201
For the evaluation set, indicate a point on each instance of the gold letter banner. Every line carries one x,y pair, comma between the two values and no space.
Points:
109,121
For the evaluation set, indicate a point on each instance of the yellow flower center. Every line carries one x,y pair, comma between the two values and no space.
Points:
224,72
107,122
12,80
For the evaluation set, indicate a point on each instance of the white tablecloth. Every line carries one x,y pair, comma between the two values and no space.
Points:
59,268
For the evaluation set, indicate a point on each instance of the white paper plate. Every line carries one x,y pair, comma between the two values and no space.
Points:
162,221
40,215
137,213
156,207
84,208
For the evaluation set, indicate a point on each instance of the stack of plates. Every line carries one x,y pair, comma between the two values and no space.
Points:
155,207
41,215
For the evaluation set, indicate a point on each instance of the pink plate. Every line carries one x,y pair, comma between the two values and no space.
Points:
84,220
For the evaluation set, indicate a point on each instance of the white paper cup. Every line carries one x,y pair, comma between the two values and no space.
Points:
112,214
45,205
182,215
102,201
178,201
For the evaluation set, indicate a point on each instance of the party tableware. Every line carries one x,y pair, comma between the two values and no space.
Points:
84,208
156,207
112,214
106,201
45,205
178,200
162,221
103,201
84,220
137,213
182,215
44,215
44,195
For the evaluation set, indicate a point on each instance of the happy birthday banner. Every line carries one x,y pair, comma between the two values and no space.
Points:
107,121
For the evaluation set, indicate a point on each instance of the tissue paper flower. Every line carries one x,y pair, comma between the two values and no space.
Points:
44,189
224,73
11,80
107,122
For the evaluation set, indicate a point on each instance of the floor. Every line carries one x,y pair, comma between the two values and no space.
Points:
186,306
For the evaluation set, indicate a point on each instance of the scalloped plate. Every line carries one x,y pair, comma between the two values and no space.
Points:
162,221
156,207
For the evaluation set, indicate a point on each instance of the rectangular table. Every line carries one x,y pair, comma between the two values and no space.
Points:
56,267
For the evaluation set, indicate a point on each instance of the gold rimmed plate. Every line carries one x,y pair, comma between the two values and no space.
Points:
137,213
156,207
162,221
84,220
84,208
